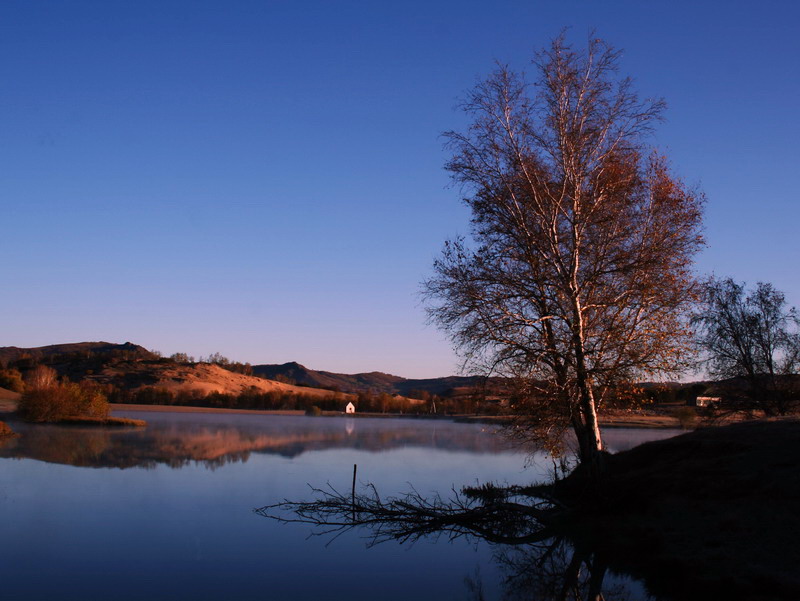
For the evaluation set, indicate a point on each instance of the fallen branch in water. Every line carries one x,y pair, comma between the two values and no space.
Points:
496,515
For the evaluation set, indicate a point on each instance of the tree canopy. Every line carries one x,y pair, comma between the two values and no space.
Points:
577,275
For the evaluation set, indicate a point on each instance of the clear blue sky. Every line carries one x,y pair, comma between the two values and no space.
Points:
264,179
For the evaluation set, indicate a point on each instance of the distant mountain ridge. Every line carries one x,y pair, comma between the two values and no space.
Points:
14,353
374,381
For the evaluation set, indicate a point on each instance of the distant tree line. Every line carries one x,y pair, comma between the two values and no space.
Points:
255,398
214,359
252,398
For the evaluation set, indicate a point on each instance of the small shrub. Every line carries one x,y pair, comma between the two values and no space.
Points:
5,430
63,400
314,410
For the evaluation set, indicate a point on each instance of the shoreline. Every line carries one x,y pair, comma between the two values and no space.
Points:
7,408
190,409
634,421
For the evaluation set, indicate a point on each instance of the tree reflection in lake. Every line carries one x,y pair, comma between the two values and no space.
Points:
555,570
536,560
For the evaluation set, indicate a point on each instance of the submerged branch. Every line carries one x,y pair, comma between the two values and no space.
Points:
493,514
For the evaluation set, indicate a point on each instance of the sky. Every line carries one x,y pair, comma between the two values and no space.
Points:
264,179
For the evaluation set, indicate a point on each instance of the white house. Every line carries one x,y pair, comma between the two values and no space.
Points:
350,408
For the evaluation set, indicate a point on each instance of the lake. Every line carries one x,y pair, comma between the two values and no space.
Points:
166,512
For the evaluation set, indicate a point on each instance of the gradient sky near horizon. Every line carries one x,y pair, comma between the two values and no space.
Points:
264,179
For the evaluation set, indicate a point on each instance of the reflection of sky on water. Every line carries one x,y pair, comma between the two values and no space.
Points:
161,533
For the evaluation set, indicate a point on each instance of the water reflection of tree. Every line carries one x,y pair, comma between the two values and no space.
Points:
556,570
535,559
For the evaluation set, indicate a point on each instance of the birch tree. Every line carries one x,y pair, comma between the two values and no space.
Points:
577,273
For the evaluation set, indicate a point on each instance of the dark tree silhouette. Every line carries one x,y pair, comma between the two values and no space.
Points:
755,337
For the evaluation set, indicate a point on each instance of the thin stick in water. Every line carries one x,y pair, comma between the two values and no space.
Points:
353,496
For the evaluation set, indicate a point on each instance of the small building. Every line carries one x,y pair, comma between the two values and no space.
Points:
350,408
707,401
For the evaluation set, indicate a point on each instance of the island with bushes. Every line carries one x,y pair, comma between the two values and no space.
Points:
46,399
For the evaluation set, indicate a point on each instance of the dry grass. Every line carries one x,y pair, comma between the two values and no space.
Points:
199,379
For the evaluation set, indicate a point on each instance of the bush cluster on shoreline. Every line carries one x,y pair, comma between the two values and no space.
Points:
61,401
46,399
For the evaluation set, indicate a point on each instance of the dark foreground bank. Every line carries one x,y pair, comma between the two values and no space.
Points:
715,513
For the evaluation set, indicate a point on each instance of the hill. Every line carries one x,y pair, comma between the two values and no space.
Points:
366,382
370,382
196,378
10,354
131,368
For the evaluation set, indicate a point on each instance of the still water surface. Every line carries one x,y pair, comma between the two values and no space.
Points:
166,512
